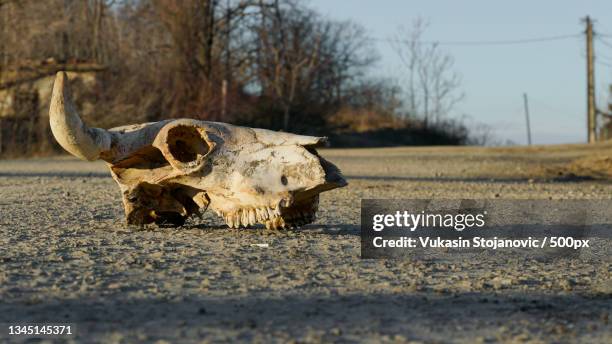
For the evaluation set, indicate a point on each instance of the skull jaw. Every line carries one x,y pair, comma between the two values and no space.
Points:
168,206
171,203
297,214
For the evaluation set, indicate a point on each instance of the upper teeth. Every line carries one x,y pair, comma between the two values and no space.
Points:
271,217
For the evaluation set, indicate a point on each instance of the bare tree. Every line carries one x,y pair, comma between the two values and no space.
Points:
433,87
345,56
206,51
289,52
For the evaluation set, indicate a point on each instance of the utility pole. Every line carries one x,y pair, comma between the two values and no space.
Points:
591,112
527,118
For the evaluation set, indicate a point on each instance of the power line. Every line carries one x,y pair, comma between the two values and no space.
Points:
604,42
604,57
603,63
557,109
599,60
476,43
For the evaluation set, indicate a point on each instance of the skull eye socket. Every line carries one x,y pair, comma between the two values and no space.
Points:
182,152
186,144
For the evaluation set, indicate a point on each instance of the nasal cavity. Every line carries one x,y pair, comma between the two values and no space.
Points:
186,143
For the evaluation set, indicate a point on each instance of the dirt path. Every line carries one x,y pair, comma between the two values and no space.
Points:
66,256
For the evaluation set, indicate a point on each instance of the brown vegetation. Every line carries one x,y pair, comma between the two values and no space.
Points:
266,63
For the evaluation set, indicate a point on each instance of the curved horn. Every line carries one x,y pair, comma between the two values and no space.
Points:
69,131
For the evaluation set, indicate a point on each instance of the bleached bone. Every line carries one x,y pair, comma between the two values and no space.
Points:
69,130
171,169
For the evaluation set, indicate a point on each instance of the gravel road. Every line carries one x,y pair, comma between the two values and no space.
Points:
66,256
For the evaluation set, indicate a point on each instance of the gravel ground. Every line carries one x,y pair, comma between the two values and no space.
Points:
67,256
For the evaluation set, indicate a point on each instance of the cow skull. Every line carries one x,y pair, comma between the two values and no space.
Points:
172,169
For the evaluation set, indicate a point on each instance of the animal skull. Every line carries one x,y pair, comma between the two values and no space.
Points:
171,169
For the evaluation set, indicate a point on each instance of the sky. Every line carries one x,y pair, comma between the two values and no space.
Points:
494,78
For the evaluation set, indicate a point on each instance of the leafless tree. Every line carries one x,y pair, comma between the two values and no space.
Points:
289,53
433,87
304,60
